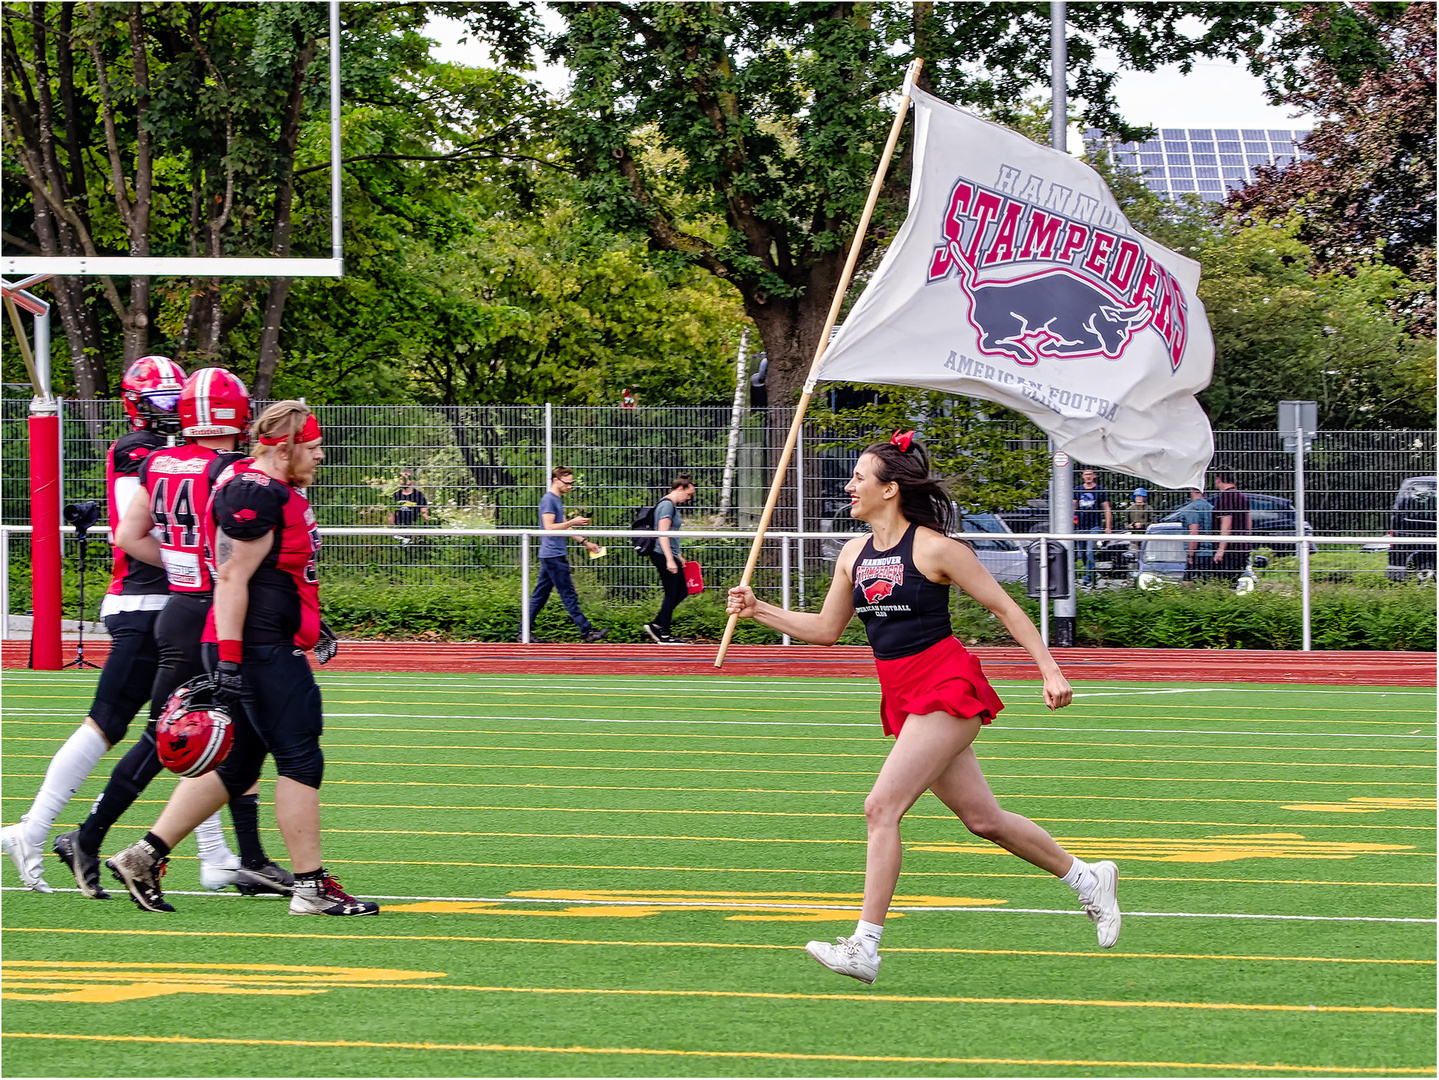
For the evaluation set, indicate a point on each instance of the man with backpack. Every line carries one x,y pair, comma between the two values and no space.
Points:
554,566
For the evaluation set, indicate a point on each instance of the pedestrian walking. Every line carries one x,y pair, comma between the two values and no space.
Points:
666,557
555,573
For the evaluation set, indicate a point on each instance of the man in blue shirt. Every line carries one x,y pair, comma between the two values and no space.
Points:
1197,517
554,566
1092,514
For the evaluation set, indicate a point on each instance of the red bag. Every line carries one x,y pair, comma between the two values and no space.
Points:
694,578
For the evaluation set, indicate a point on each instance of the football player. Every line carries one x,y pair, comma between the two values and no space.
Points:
265,616
150,390
162,528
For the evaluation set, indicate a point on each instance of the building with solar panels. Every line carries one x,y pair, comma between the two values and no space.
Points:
1208,162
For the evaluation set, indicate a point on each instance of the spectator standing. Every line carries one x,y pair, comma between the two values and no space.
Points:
1092,514
666,557
1197,518
1231,518
411,506
1137,510
554,566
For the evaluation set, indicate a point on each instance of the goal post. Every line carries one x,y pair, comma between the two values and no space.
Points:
44,429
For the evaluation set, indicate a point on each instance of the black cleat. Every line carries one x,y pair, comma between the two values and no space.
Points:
139,869
264,880
84,865
594,634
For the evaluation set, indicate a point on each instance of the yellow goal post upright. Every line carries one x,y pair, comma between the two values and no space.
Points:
44,420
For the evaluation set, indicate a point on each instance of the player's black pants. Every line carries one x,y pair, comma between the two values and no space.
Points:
675,589
280,715
128,674
177,633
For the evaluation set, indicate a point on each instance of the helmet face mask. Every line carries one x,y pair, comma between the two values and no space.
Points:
214,403
150,389
194,733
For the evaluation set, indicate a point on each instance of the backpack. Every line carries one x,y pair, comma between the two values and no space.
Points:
644,519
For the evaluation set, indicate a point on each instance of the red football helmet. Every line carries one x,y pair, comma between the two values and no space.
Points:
193,734
213,403
151,390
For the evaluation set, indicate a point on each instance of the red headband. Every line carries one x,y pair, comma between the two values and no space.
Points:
902,439
309,433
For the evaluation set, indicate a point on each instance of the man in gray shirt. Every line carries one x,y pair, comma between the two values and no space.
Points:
554,566
1197,517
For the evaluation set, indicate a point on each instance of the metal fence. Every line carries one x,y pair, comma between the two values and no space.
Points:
486,466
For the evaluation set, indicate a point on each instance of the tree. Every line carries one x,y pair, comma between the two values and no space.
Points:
770,119
1364,187
1285,330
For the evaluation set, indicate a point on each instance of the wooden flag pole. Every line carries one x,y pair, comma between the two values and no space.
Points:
794,428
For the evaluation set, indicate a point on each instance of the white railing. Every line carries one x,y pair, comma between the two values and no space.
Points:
786,539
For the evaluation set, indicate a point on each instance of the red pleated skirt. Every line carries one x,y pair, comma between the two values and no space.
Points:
946,677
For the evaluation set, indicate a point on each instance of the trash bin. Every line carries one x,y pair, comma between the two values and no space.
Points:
1058,570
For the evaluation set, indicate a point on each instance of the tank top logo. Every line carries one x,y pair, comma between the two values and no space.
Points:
878,578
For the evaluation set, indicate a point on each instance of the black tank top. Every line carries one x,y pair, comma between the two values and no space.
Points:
903,611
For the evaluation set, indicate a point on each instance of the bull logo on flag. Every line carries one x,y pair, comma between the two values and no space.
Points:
1087,292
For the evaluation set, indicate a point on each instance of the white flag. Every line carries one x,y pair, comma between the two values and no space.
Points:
1017,279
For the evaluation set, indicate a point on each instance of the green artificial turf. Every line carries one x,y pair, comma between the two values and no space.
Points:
590,875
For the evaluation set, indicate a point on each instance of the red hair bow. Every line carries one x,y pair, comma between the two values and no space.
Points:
902,439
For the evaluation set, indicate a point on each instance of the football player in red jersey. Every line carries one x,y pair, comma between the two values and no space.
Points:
150,390
163,529
265,616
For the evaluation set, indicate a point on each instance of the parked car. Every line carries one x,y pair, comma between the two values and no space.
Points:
1413,516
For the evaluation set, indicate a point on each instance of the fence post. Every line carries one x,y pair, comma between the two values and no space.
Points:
525,588
549,442
4,584
1302,547
1044,591
784,579
799,505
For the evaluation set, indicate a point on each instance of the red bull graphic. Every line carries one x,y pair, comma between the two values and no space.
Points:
878,590
1042,285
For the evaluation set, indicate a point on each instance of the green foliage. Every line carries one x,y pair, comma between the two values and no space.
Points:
1213,617
1282,330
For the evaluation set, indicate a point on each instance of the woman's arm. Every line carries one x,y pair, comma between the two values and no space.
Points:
819,628
663,525
938,556
133,535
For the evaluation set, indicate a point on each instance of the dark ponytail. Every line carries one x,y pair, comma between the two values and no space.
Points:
922,499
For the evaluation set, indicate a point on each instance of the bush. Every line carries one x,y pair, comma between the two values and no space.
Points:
1343,617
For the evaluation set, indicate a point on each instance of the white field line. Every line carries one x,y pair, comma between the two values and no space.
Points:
769,686
762,906
1004,727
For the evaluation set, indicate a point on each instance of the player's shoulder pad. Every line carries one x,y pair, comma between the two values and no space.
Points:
129,450
221,463
250,505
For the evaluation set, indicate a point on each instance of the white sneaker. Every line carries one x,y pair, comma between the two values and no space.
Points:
219,874
1103,907
27,858
848,957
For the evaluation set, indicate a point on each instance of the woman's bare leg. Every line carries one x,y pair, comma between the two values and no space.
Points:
963,788
926,747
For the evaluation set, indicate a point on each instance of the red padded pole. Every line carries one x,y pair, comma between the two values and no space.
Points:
45,541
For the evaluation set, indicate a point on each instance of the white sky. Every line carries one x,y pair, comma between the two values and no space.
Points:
1215,93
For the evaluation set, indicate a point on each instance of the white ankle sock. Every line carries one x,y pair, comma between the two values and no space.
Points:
69,768
1081,879
210,835
867,934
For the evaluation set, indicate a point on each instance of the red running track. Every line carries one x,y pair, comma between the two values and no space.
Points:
1148,665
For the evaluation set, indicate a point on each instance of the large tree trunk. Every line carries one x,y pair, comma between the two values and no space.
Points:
269,359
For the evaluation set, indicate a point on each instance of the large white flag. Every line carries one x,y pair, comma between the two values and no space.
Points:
1017,279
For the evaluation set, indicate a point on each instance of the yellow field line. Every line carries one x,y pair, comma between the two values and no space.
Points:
713,945
501,1048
